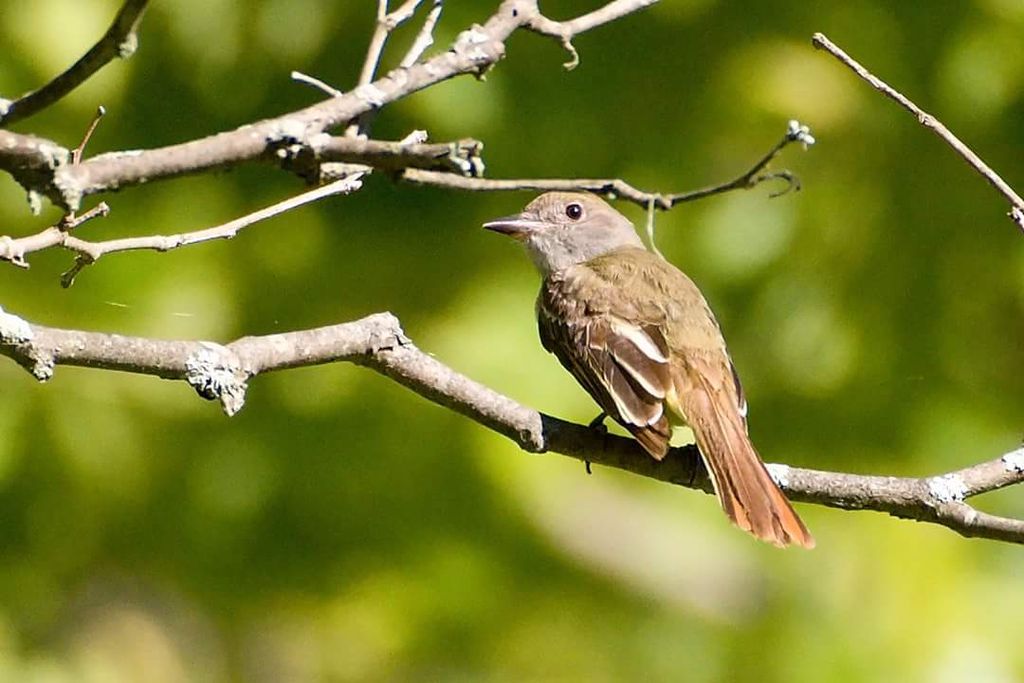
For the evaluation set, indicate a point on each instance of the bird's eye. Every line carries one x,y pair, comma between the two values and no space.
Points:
574,211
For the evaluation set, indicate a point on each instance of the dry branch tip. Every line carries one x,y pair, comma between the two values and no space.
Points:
820,41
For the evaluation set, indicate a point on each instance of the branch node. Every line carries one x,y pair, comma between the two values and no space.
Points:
43,365
465,154
127,47
69,188
1017,216
370,94
948,488
471,44
70,221
11,251
800,132
333,171
1014,461
288,132
779,474
415,137
388,336
14,331
67,278
215,373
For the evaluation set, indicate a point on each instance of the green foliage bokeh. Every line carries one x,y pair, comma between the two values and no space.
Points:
341,528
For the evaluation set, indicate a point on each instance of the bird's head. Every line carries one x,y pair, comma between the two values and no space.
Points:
561,229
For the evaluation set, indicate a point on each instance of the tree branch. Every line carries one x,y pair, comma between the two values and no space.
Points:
474,51
120,40
565,31
222,372
460,160
31,159
298,141
616,188
1016,213
460,156
15,250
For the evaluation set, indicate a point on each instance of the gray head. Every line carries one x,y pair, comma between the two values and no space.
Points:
561,229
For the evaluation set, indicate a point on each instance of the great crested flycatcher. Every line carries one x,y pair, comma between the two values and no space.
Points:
641,339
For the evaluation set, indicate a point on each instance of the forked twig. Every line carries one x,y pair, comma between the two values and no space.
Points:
387,22
90,252
617,188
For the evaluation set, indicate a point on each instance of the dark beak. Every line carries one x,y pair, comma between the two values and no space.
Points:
518,226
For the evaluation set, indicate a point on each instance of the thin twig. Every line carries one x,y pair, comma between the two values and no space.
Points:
820,41
120,40
612,188
15,250
386,23
565,31
70,220
222,372
425,38
90,252
796,132
76,155
316,83
616,188
376,46
459,156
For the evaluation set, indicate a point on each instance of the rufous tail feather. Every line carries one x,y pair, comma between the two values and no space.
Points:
746,491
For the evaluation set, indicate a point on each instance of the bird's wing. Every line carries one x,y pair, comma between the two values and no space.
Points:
623,365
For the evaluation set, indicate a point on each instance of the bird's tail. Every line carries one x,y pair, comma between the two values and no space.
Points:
746,491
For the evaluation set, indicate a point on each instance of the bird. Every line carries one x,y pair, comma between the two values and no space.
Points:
641,339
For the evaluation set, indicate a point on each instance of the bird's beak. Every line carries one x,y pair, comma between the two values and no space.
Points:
519,226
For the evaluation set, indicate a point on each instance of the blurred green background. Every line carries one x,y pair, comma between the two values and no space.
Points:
341,528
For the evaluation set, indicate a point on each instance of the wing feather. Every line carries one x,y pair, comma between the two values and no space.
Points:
623,366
